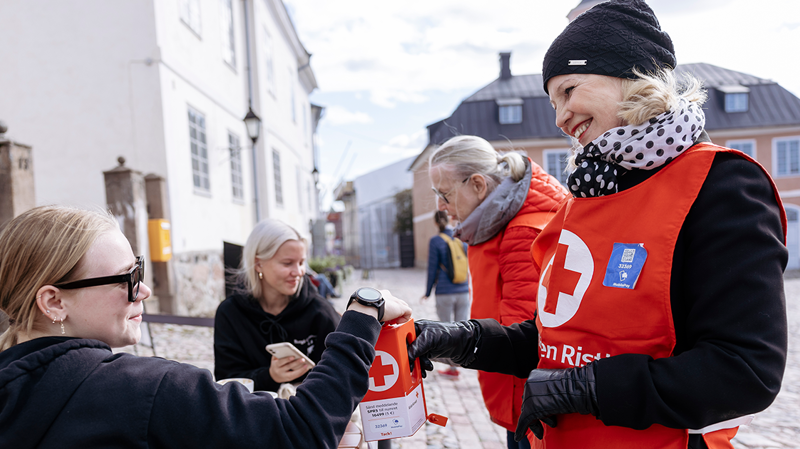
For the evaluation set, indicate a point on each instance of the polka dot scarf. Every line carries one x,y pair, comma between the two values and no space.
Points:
650,145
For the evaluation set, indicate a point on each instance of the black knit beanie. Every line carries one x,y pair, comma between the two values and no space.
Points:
610,39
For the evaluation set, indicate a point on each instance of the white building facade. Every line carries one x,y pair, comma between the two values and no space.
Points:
165,84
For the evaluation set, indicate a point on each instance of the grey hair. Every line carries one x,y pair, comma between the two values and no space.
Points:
650,95
264,241
467,155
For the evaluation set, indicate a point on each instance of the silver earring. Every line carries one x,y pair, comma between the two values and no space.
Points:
62,327
260,275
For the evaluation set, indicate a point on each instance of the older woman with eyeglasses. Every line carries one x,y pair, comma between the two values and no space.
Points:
73,290
502,201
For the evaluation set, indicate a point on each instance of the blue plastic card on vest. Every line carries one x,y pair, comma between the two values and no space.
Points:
625,265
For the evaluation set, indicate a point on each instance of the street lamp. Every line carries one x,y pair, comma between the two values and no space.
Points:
315,174
253,124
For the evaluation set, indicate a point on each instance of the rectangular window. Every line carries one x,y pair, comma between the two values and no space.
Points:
269,71
298,177
511,114
197,139
276,171
305,124
190,14
555,162
237,180
310,201
736,102
747,147
226,26
292,96
787,155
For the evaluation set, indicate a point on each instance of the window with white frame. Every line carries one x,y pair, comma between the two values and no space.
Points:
190,14
310,198
737,102
297,180
787,156
276,174
237,180
736,97
226,26
292,97
555,163
197,139
305,124
269,70
747,147
509,110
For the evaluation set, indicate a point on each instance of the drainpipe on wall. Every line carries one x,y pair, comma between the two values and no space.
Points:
250,105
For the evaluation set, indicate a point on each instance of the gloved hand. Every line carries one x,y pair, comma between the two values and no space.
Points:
551,392
444,342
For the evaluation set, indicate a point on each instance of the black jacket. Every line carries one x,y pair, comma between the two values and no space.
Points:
242,330
728,309
58,392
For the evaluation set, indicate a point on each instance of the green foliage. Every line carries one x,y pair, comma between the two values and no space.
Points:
404,221
334,267
326,264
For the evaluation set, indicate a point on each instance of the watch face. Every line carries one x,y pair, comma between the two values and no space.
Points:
368,294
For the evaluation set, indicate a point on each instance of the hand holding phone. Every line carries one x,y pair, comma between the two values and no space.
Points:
286,349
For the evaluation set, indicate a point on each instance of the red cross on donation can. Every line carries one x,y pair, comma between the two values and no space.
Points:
394,405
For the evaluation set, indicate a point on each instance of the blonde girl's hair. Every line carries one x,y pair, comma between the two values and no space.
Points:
264,241
43,246
650,95
467,155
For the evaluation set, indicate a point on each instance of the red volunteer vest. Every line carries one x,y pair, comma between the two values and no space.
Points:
502,393
581,320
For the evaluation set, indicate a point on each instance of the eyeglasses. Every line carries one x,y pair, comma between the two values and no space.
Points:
132,278
443,196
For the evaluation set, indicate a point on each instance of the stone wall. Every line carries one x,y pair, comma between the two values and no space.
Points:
200,282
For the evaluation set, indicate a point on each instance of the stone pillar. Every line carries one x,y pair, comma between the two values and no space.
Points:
125,196
163,272
17,192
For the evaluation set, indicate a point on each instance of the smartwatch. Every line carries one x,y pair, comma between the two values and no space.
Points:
369,297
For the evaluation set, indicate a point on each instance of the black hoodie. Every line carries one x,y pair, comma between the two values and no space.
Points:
60,393
242,330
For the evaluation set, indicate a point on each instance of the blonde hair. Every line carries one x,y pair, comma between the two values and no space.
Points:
467,155
650,95
43,246
264,241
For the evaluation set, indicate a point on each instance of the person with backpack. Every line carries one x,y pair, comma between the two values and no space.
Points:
447,270
502,201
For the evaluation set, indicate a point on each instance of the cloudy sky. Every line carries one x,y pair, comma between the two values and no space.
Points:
388,69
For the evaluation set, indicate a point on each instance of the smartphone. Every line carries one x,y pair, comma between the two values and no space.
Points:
286,349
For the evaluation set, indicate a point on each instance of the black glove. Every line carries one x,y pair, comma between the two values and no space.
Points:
551,392
446,342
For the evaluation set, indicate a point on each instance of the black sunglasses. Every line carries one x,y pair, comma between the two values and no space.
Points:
132,278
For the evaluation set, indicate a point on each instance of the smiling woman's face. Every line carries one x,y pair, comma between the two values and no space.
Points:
586,105
103,312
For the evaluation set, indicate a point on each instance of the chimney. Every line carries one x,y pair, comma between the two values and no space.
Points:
505,65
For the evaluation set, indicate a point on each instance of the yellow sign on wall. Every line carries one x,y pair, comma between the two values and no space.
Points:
158,231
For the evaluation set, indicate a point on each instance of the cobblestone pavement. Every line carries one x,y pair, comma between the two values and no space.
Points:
460,400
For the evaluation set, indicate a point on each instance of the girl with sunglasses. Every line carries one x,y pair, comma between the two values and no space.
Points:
73,290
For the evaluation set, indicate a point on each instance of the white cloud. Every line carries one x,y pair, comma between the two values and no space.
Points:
409,48
397,51
406,145
337,115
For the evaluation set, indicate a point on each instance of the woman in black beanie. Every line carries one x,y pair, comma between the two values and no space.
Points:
661,314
